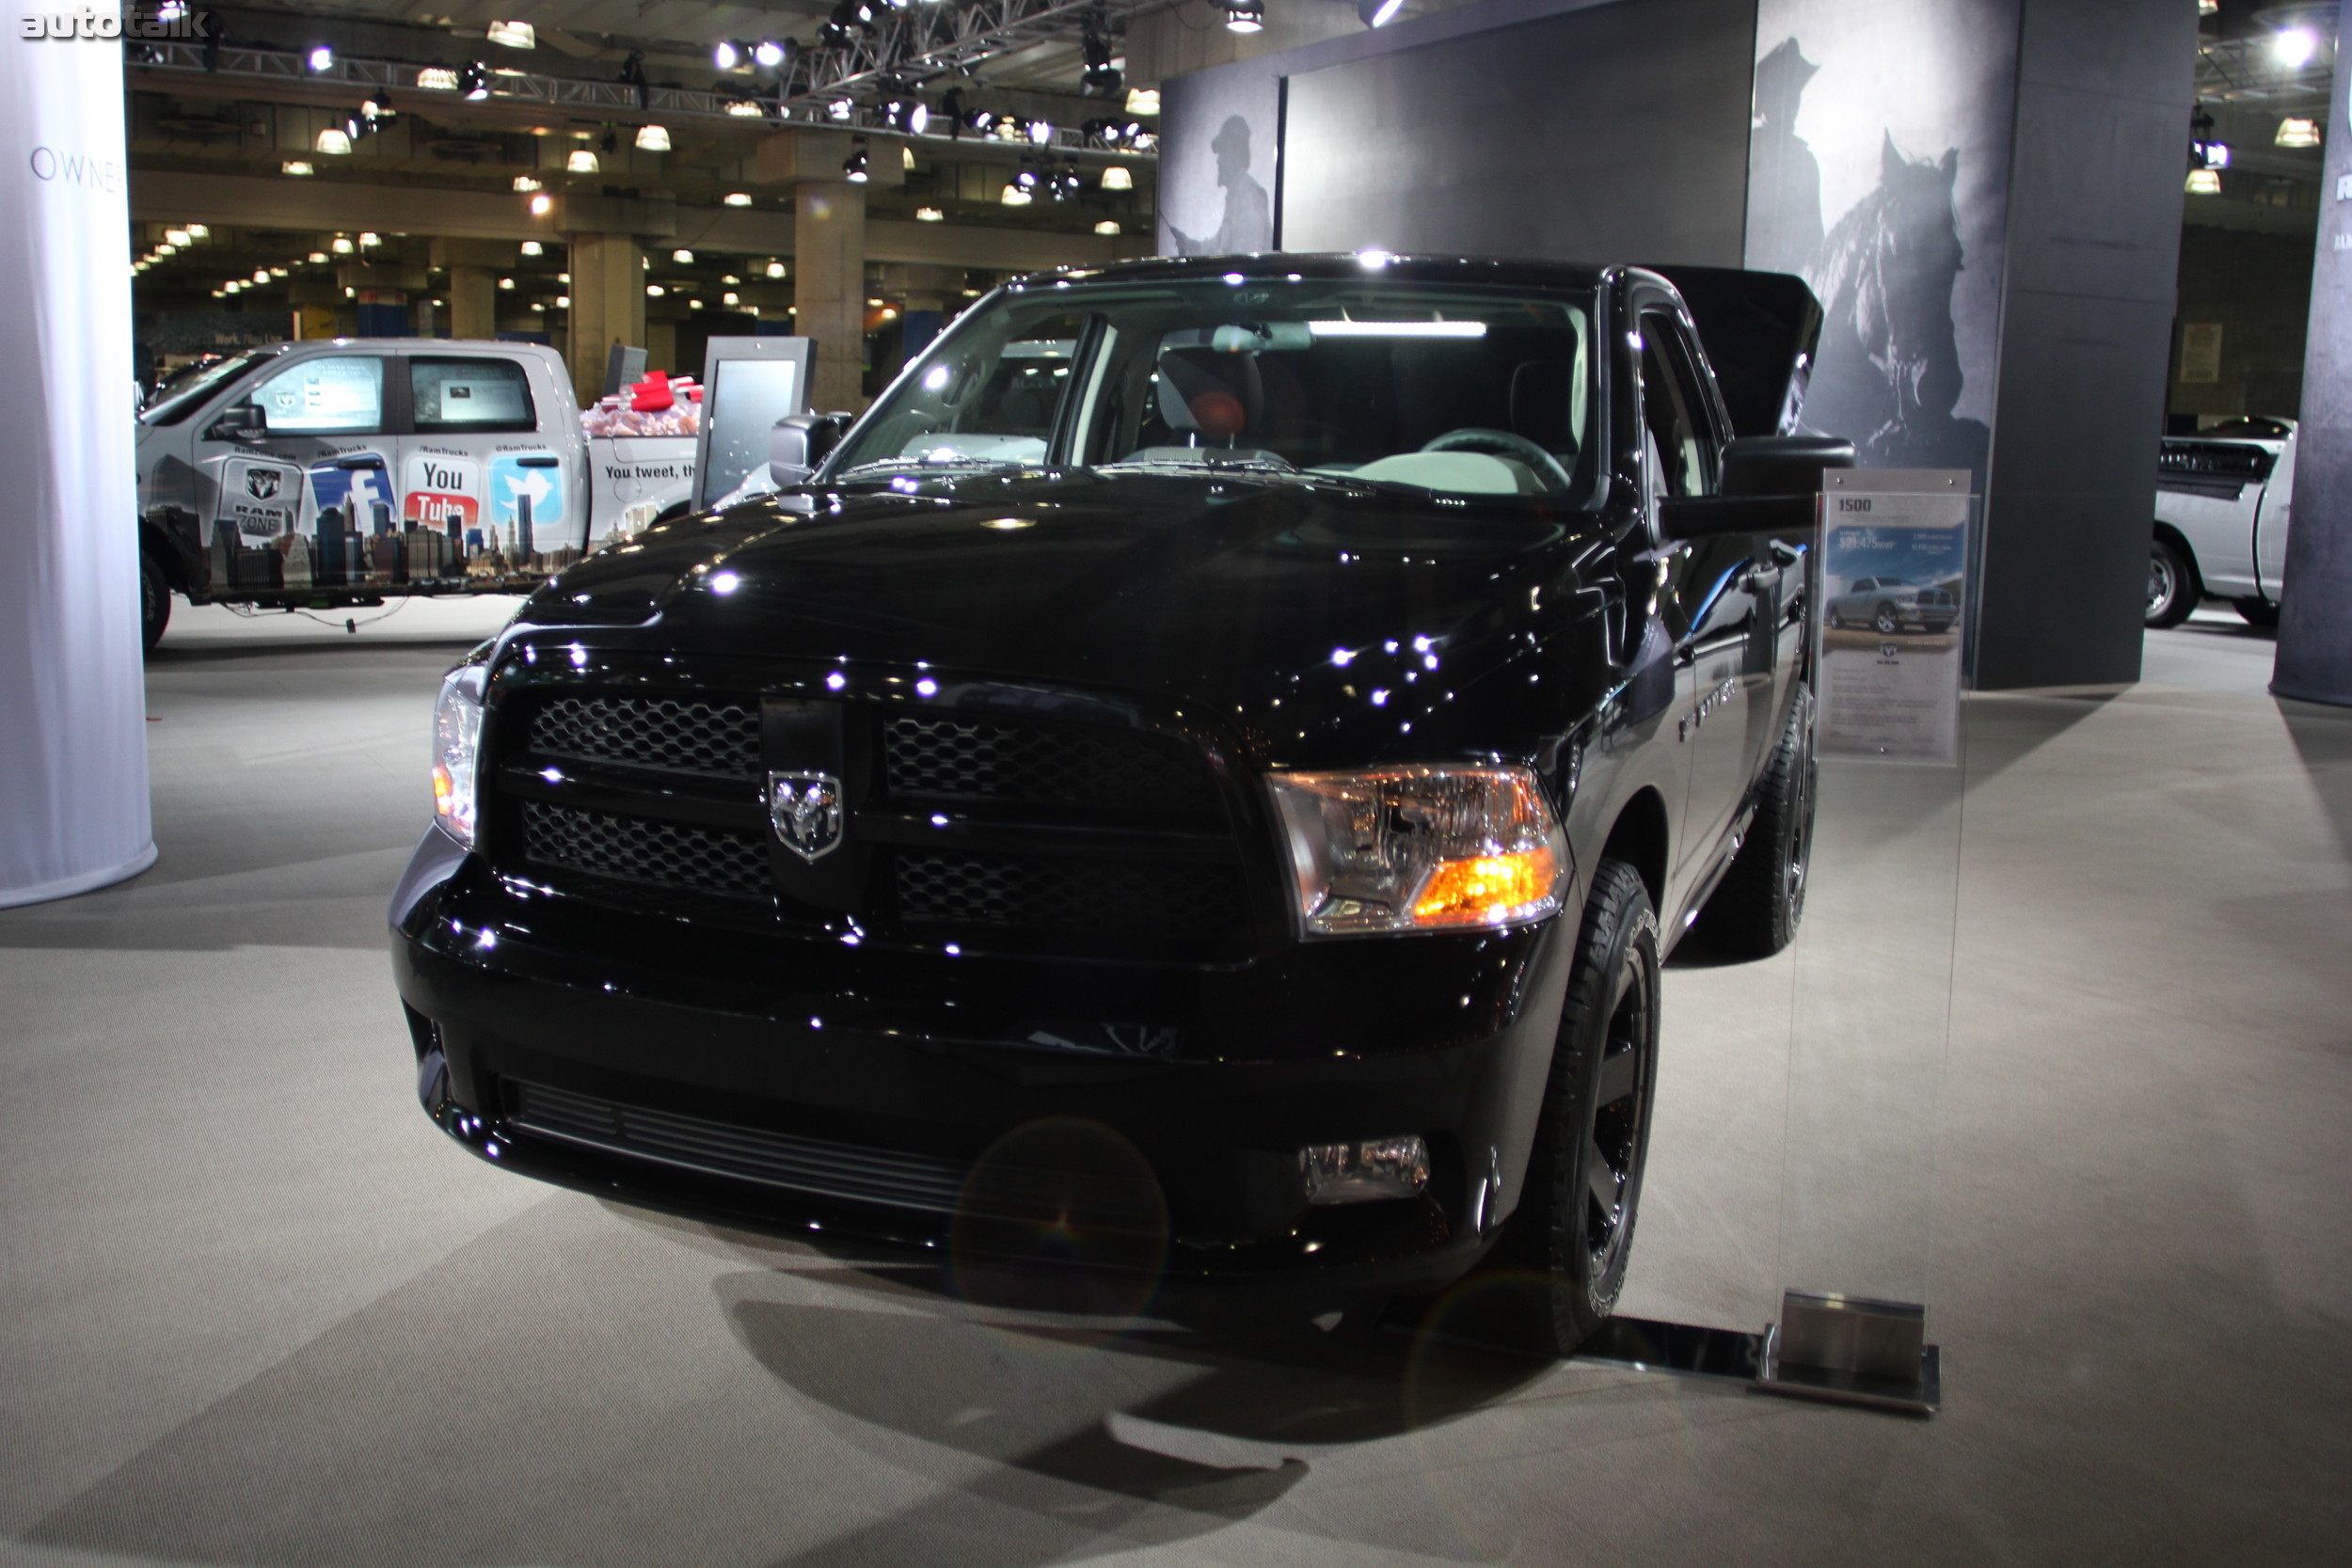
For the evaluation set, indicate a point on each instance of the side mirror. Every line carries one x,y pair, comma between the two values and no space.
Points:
239,422
1782,465
800,442
1770,482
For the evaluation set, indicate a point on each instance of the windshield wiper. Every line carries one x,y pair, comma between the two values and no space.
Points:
904,467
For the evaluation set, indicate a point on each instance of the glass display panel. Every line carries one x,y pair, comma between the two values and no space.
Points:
340,394
470,394
747,397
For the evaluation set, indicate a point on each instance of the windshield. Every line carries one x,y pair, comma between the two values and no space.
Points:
1438,387
178,401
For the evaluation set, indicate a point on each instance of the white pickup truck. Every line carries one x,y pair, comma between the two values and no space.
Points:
315,475
2224,499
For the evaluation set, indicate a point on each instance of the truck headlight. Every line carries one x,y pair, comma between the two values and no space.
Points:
1432,849
457,752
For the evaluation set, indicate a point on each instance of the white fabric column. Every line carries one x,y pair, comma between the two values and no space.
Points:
73,804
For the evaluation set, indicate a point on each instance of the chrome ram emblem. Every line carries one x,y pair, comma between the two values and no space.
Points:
807,811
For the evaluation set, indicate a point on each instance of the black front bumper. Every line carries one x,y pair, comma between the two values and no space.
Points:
924,1062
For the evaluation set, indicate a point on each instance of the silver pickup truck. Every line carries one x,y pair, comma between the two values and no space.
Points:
2224,499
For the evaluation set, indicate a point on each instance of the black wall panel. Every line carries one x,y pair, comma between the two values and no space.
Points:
1615,134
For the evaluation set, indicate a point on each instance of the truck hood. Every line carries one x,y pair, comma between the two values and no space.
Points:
1369,610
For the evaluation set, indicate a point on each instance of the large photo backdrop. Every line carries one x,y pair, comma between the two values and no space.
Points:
1878,170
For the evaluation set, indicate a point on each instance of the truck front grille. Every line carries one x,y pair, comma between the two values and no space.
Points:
716,739
683,855
1186,902
1114,770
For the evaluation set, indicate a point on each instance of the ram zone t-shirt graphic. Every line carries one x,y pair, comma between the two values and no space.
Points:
257,497
442,491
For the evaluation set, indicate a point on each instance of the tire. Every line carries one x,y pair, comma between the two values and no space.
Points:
2258,612
1887,623
1574,1225
2172,584
1836,622
155,602
1754,913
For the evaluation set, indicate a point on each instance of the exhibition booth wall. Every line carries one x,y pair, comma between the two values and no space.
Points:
72,694
1985,194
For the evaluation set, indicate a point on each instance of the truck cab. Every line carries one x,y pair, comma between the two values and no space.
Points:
344,471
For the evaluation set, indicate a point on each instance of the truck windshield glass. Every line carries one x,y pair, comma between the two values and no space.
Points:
1437,387
181,401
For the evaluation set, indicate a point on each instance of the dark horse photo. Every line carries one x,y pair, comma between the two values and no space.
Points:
1890,372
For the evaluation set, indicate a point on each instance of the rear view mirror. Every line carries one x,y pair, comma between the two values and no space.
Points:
239,422
799,444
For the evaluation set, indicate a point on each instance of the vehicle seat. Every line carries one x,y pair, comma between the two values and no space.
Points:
1213,394
1548,405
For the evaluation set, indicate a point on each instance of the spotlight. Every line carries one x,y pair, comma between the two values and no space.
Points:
436,78
1378,13
1015,197
682,257
854,167
2292,48
532,247
322,57
581,161
525,183
743,108
840,109
474,81
514,35
1101,79
334,142
2298,133
1040,132
736,198
542,204
653,138
1118,178
727,53
929,214
295,166
768,54
1244,16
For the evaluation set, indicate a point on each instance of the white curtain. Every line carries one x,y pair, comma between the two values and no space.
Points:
73,801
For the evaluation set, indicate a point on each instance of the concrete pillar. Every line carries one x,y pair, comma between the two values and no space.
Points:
607,305
829,289
472,302
2314,658
73,799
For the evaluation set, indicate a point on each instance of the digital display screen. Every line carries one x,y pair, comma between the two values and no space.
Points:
743,408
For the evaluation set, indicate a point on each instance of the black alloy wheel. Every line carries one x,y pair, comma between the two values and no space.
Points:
1836,622
1888,623
1574,1225
154,603
2171,585
1754,911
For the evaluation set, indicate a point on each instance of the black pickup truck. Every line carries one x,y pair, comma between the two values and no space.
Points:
1199,781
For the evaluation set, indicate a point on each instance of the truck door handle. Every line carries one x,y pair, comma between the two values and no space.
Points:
538,462
368,462
1685,656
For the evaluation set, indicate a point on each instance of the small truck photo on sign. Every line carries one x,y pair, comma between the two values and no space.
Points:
1894,592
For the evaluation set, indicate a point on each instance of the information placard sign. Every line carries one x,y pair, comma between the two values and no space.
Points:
1893,598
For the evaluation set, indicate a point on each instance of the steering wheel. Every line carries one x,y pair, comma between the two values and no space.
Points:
1503,443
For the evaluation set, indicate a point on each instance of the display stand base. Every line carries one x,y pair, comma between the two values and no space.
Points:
1851,1350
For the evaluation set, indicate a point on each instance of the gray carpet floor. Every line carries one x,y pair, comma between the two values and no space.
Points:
253,1309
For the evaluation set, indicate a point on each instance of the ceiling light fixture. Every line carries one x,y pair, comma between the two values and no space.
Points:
730,298
370,238
2293,47
436,78
525,184
2203,182
1015,196
197,231
929,214
507,283
653,138
775,269
562,302
2298,133
683,257
317,258
1119,178
297,166
736,198
542,204
514,35
340,245
334,140
1244,16
1378,13
1109,226
581,161
655,291
1143,101
178,236
532,247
